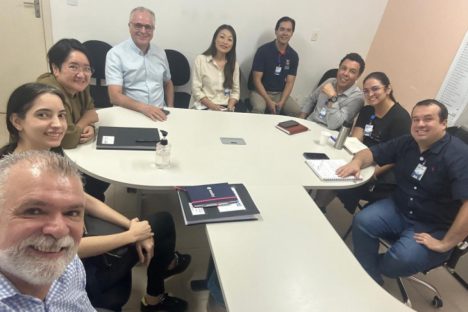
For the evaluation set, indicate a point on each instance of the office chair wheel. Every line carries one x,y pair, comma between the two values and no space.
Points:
437,302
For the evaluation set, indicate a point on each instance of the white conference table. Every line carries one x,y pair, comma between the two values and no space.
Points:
291,259
270,157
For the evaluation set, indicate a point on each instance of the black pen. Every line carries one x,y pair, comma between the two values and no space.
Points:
145,141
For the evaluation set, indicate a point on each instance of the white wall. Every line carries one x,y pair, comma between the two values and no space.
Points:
188,25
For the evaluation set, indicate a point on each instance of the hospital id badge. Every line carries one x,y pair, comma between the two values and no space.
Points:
368,130
277,70
227,92
323,112
419,171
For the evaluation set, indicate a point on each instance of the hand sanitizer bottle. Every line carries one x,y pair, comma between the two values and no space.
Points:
163,152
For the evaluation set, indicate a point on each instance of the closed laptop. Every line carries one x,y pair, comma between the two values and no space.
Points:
124,138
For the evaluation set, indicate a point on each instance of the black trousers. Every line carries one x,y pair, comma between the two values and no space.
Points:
95,187
370,192
109,278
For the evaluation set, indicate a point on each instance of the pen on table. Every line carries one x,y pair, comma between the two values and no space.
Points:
145,141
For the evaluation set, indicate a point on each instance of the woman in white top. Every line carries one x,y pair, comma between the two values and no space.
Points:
215,83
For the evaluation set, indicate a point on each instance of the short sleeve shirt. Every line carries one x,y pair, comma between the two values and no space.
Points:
431,200
67,293
276,67
395,123
142,76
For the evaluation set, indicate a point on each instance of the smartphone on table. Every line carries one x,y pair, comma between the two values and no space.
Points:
315,156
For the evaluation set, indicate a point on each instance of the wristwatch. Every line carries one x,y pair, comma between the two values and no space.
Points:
333,99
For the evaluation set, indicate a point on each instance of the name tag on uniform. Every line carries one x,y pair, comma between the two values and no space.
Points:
419,171
227,92
323,112
278,70
368,130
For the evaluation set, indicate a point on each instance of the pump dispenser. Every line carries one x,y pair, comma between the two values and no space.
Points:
163,152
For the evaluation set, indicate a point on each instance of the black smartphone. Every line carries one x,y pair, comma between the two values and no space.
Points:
288,124
165,111
315,156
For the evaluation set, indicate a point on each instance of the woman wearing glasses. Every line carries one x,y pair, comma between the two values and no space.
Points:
381,120
70,71
215,83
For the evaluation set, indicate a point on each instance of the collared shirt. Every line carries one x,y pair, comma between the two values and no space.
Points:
75,106
142,76
67,293
344,109
276,67
208,79
433,200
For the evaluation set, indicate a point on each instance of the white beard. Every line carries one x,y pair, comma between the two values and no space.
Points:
19,262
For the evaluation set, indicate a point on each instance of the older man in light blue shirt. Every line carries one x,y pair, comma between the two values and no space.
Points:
137,72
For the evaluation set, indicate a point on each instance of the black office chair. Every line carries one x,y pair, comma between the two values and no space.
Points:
331,73
450,264
459,131
98,88
180,73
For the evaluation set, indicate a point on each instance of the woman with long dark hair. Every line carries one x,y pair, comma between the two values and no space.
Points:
215,83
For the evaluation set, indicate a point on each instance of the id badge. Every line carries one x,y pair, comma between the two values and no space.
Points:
278,70
419,171
227,92
323,112
368,130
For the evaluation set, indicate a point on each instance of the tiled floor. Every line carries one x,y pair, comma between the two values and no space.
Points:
193,240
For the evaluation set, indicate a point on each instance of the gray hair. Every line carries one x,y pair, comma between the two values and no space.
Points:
142,9
41,160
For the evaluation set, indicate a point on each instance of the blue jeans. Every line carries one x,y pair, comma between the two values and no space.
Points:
405,257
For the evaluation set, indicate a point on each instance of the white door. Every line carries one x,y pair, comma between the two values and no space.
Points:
23,45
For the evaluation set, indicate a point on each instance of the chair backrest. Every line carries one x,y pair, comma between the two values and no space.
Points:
331,73
459,131
179,67
97,52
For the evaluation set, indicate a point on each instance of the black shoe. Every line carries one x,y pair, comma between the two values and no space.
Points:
181,263
167,304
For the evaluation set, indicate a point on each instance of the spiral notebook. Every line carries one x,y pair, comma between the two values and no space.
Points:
325,169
